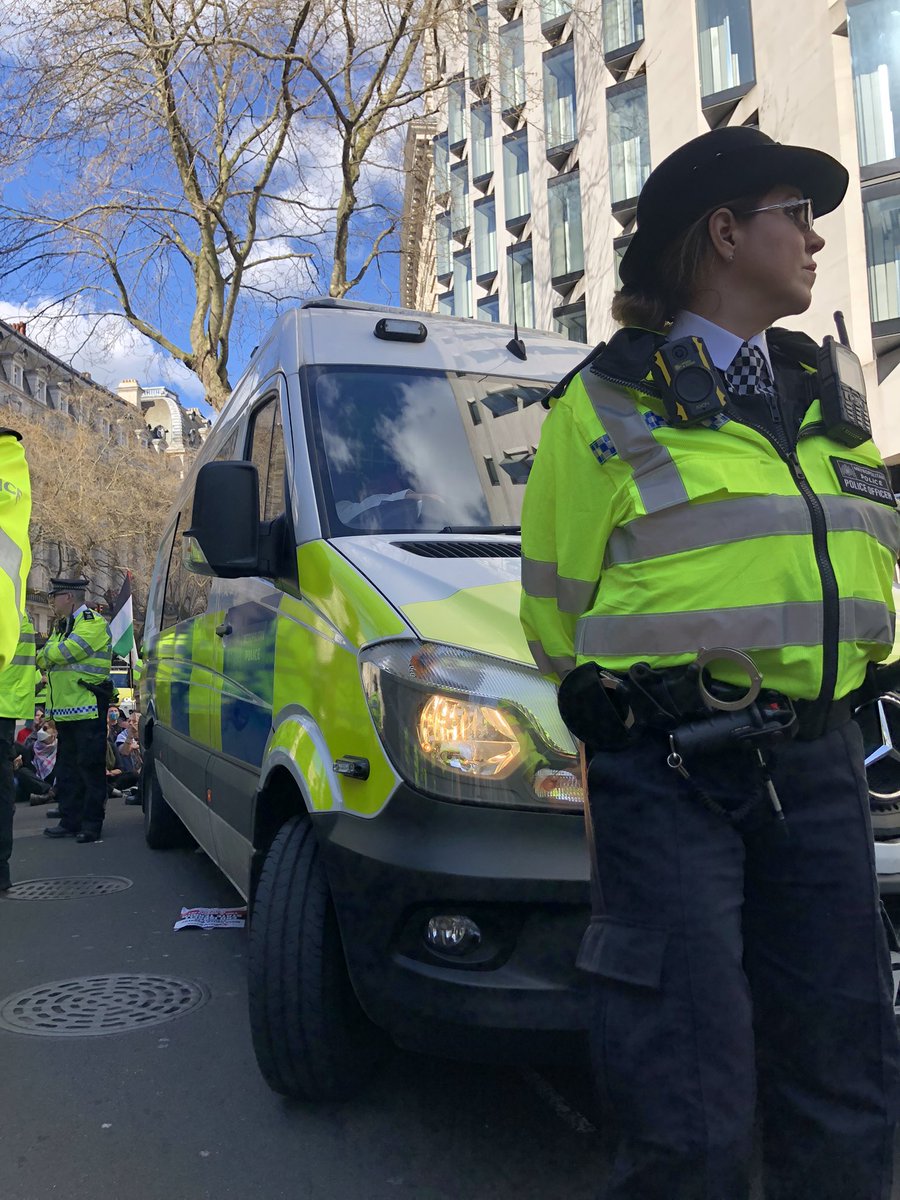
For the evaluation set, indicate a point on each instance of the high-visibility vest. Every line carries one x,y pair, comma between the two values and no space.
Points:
17,678
79,651
15,549
645,541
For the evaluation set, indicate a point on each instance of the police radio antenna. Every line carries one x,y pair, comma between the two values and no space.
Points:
841,326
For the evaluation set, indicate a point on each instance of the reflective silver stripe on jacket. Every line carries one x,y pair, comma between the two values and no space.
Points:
11,563
26,639
21,660
757,627
847,514
79,641
549,664
722,522
65,651
541,582
655,474
83,669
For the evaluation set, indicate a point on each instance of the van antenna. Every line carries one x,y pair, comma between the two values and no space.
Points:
515,345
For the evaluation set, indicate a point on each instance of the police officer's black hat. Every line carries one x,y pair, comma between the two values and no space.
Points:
716,168
68,585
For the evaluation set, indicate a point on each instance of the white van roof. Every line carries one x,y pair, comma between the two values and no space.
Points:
326,331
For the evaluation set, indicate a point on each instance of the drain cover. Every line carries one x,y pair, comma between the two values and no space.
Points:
69,887
97,1004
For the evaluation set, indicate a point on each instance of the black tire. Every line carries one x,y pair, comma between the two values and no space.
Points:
163,830
311,1038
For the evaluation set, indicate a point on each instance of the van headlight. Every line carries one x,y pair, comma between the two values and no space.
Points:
467,727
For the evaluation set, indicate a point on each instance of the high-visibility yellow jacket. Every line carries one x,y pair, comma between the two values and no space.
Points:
15,549
79,650
644,541
17,679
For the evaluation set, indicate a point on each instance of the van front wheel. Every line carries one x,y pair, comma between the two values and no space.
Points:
163,830
312,1040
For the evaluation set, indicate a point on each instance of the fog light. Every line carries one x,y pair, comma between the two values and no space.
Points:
452,935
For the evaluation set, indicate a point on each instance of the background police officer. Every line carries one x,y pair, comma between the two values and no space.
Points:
77,654
728,961
17,681
15,550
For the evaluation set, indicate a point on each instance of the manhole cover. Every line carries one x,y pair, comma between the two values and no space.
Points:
68,887
99,1004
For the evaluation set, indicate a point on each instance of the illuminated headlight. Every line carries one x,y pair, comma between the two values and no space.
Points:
471,738
468,727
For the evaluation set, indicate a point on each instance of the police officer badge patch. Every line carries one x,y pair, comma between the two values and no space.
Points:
872,483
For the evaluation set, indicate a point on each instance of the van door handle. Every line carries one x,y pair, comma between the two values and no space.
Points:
224,629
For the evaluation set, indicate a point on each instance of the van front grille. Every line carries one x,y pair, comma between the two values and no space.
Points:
462,549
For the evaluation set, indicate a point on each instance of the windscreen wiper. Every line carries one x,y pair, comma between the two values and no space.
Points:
512,529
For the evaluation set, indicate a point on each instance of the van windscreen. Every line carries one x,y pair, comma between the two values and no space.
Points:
411,451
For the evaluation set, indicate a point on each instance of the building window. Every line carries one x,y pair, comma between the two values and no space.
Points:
474,412
488,308
442,244
629,138
457,113
560,115
623,24
512,65
441,150
445,304
874,28
462,283
485,237
459,198
566,241
620,245
571,321
40,390
516,184
554,10
882,218
479,44
18,376
521,285
482,152
726,45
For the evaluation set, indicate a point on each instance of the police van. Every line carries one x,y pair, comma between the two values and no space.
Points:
339,705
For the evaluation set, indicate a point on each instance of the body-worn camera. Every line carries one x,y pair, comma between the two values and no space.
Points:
692,388
842,394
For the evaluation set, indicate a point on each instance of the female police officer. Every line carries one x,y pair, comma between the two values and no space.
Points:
734,955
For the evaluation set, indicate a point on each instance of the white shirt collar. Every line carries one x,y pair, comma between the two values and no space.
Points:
721,345
79,610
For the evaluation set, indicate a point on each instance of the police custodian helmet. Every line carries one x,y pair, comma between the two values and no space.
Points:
717,167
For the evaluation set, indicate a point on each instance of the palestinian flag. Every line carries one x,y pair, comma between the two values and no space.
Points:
121,625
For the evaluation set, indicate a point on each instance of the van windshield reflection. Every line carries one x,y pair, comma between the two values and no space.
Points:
408,451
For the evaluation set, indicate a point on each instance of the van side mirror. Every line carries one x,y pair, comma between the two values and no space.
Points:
224,530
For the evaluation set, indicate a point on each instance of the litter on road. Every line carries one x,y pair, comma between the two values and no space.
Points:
212,918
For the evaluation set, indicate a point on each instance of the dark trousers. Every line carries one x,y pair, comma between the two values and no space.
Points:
81,775
729,967
29,783
7,795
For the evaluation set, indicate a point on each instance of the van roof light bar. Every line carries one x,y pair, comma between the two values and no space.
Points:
396,329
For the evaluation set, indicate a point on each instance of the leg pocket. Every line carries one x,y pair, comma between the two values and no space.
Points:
624,952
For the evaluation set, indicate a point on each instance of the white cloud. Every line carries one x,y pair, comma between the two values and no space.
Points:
108,349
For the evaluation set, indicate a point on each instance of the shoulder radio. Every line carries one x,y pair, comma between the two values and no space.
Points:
692,388
842,394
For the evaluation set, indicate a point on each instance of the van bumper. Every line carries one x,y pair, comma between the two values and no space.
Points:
522,877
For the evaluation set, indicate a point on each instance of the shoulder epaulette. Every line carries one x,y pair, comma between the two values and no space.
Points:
89,614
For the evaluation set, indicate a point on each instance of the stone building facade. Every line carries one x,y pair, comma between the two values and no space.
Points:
555,111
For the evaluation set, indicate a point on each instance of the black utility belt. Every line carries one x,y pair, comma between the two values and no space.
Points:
610,710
